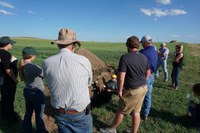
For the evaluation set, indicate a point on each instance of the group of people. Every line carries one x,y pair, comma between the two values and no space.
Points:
69,75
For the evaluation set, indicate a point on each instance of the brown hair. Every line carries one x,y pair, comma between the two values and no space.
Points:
180,46
132,42
196,89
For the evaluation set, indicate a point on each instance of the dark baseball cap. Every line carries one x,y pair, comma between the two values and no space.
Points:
29,51
6,40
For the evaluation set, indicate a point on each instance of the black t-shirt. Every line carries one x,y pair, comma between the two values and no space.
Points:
180,63
135,65
5,60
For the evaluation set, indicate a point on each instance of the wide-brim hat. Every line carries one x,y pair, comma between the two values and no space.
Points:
66,37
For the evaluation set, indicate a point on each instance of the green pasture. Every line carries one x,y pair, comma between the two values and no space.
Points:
169,108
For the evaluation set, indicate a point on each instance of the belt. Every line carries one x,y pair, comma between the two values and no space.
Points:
61,110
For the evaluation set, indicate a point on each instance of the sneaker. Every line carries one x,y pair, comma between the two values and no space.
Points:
144,117
165,80
108,130
176,88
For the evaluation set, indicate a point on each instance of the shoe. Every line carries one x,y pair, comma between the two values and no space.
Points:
165,80
108,130
176,88
145,117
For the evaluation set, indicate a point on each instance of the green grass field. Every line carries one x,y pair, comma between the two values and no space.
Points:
169,108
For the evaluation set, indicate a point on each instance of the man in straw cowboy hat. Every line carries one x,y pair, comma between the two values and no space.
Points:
68,76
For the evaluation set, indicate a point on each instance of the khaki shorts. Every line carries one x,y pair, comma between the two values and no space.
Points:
132,100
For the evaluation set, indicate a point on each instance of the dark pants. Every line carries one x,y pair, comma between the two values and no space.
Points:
175,76
34,100
195,116
8,90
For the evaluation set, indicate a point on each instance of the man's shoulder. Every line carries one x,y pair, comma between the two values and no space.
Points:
53,57
81,58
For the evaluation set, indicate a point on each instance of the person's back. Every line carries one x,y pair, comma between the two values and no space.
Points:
33,91
136,68
68,77
32,76
152,56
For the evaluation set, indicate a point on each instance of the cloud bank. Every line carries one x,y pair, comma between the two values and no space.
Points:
5,12
4,4
164,2
160,13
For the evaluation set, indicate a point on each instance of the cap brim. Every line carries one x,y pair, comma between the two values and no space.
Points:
65,42
12,42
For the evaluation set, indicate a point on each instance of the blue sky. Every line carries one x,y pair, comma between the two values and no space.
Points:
102,20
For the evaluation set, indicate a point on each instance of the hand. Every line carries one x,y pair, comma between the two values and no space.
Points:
120,94
16,81
192,104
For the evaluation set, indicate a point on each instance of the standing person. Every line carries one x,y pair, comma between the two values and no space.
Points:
150,52
177,63
33,91
163,52
68,76
133,70
9,74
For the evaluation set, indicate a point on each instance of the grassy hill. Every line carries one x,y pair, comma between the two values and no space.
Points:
169,108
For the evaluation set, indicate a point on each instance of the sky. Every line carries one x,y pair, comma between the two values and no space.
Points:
102,20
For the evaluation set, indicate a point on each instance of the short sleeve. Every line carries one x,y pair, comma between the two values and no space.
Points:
122,65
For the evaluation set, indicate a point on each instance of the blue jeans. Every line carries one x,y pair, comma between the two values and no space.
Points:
34,100
163,64
175,76
74,123
147,100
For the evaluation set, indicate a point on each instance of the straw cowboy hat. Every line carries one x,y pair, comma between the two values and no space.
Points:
66,37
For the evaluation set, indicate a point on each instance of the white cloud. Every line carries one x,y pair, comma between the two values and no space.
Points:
175,36
4,4
31,12
146,12
5,12
164,2
174,12
161,13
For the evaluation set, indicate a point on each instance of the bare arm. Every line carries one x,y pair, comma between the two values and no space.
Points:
148,72
11,75
120,82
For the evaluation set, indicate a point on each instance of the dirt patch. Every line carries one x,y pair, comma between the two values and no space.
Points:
101,73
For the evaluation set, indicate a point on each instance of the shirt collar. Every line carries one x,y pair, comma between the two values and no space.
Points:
65,50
